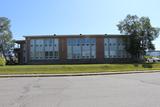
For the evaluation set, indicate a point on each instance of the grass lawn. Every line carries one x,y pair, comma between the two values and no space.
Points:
80,68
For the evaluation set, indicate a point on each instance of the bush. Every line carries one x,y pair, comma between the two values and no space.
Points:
2,61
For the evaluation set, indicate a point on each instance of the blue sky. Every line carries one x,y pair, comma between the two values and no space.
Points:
33,17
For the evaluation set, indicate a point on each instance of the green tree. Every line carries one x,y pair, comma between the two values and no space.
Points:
141,34
6,42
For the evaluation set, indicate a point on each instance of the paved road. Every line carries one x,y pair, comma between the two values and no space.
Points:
127,90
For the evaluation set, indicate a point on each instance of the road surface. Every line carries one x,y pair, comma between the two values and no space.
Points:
125,90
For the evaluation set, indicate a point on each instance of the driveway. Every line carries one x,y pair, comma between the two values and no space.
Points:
125,90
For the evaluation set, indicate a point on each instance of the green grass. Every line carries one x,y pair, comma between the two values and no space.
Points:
151,56
81,68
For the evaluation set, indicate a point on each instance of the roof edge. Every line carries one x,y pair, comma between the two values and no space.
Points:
73,35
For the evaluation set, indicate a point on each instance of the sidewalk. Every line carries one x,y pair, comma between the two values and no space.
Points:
75,74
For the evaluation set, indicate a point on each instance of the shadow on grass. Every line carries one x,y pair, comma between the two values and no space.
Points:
149,65
136,65
145,65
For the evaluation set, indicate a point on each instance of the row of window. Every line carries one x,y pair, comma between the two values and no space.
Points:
81,41
81,48
115,49
77,48
115,44
44,49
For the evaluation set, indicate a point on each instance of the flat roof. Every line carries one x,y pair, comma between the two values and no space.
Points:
74,35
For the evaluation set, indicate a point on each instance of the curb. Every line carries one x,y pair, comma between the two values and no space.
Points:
77,74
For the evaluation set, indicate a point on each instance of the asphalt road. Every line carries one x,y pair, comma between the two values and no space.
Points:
125,90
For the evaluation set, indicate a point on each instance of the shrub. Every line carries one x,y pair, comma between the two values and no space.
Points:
2,61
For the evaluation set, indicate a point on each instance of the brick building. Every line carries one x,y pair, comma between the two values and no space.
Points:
53,49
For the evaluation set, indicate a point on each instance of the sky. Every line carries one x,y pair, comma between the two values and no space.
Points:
42,17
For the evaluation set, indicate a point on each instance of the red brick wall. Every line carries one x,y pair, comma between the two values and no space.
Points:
27,50
63,48
100,49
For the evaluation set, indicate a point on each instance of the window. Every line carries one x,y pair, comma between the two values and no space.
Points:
81,48
115,49
93,51
86,51
56,54
44,49
69,52
46,55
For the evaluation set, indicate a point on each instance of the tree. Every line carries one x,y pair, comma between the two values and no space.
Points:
141,34
6,42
